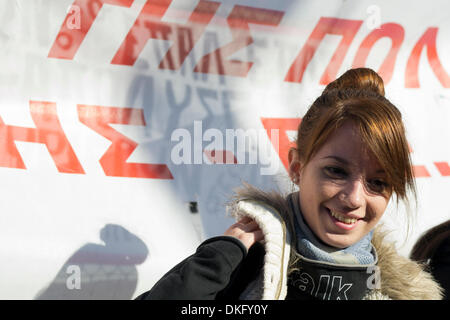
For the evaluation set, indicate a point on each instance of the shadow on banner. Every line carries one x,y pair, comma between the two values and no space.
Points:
98,271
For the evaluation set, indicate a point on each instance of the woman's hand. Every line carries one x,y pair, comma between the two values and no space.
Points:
246,230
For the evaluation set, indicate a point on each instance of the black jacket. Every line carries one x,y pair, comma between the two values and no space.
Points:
221,268
440,266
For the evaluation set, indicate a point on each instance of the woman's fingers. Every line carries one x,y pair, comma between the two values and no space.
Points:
259,235
247,226
246,230
245,220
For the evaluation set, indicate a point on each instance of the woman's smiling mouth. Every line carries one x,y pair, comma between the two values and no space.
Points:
343,221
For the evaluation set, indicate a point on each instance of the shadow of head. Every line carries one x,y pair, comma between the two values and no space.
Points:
121,246
100,270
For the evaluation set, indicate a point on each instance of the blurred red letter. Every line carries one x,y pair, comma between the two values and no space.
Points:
346,28
148,25
238,21
114,160
390,30
412,67
69,39
48,131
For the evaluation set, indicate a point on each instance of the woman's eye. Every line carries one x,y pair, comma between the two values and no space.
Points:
335,172
378,185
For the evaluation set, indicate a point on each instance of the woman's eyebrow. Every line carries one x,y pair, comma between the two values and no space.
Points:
344,161
338,159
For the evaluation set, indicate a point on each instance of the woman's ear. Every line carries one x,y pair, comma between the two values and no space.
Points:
294,165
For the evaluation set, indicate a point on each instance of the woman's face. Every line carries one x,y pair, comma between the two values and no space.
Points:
342,189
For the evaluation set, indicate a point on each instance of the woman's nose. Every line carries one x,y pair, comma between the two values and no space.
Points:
353,194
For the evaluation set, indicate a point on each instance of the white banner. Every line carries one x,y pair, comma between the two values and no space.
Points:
116,116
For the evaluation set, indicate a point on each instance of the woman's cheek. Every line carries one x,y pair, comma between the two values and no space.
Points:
379,207
328,190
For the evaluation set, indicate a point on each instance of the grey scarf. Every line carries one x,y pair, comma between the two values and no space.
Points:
309,246
320,271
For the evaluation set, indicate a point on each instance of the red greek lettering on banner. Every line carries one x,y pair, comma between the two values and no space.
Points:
419,171
427,40
284,144
69,39
393,31
443,168
238,21
114,159
48,131
148,25
346,28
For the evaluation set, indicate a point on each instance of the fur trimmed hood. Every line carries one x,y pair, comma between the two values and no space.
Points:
400,277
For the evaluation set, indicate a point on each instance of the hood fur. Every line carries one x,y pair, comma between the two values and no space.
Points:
401,278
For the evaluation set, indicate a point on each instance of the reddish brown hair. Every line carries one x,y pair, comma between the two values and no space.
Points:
358,96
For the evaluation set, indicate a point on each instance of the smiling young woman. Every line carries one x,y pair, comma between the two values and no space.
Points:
351,155
321,242
345,186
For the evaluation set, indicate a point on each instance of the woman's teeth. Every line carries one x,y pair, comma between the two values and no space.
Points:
343,218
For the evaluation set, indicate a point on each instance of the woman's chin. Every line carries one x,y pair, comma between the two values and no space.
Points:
340,241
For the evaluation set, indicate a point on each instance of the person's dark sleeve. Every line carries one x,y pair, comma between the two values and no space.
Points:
440,267
203,274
